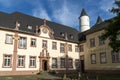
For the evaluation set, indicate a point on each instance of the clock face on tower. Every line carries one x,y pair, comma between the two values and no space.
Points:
44,30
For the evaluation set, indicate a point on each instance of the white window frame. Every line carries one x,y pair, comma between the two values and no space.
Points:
54,62
93,58
54,45
7,61
22,42
44,44
103,57
62,48
21,61
33,42
9,39
32,62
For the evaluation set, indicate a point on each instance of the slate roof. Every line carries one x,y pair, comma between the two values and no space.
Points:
94,28
99,20
83,13
8,21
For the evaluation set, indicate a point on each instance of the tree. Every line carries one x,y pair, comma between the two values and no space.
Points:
112,32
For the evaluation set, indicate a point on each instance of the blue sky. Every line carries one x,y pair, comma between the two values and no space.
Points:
61,11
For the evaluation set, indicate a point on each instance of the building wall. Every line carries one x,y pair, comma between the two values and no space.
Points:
83,54
109,65
5,48
8,49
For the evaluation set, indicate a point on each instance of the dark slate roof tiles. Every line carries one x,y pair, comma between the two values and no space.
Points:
8,21
83,13
99,20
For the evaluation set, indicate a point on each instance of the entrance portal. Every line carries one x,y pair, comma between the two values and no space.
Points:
82,66
44,65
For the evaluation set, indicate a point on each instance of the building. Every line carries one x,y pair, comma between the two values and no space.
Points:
96,54
29,45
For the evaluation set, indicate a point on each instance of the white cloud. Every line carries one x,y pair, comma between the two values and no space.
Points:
66,15
62,13
41,13
106,5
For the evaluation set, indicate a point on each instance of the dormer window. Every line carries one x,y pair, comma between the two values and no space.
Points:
29,27
71,36
18,24
62,34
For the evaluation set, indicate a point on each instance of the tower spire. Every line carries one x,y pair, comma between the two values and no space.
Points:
99,20
83,13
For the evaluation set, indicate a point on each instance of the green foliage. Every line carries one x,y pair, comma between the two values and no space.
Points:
40,72
112,32
116,10
53,72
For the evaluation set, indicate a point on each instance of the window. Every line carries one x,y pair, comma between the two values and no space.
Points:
81,48
29,27
93,58
44,52
33,42
103,57
62,48
115,57
9,39
21,61
54,45
7,61
76,49
54,62
62,63
70,63
70,47
82,57
62,34
77,63
101,41
22,42
33,62
44,44
71,36
92,42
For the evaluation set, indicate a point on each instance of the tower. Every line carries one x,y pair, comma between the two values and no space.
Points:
84,21
99,20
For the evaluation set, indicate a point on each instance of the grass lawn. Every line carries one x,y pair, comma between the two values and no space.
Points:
101,77
30,77
84,77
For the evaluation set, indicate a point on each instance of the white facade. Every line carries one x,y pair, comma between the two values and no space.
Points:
9,49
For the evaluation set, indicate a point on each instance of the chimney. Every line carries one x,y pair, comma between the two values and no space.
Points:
17,25
44,22
36,29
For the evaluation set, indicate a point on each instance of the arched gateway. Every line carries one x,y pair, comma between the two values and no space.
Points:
44,60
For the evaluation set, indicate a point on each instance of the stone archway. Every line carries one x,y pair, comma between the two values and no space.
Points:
44,60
